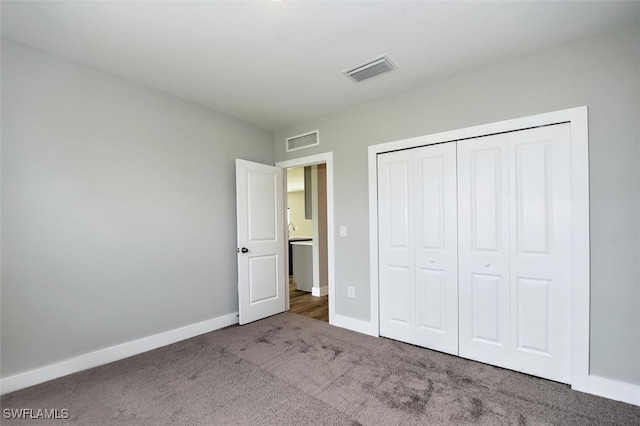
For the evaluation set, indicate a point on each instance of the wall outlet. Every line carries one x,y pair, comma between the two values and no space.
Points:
343,231
351,291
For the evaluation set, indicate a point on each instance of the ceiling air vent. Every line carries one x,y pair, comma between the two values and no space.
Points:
303,141
371,68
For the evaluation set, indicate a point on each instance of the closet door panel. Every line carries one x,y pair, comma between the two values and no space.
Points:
436,247
400,299
432,300
483,244
540,197
486,309
396,245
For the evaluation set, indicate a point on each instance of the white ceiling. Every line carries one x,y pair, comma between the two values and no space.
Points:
275,64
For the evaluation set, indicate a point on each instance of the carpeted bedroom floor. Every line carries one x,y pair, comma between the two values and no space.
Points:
293,370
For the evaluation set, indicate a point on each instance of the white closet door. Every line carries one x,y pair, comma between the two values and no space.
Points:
483,244
540,198
418,247
515,250
436,247
396,243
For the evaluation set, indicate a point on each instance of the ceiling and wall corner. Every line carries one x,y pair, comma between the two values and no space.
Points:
277,64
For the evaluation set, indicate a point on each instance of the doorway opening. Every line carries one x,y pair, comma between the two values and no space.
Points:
307,233
310,235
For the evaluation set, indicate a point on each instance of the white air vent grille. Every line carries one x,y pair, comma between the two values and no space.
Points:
371,68
303,141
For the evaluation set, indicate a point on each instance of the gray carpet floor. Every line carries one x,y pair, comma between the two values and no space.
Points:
293,370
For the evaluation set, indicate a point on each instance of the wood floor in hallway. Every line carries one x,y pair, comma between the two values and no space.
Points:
303,303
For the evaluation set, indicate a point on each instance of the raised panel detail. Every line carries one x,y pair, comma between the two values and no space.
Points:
399,204
431,298
261,190
431,183
400,296
486,200
533,201
263,278
533,316
486,294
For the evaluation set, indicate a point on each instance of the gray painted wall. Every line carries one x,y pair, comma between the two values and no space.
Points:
118,216
602,73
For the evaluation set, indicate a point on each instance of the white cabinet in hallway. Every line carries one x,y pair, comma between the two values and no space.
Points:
303,265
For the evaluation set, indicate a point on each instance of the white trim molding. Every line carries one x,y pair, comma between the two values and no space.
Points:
319,291
577,118
613,389
353,324
113,353
326,158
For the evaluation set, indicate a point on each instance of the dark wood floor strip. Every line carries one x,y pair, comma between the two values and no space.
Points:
303,303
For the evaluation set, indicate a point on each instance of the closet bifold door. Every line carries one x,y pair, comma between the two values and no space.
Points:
418,246
514,200
483,245
396,242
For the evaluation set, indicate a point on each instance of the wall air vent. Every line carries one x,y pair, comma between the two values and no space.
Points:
370,69
303,141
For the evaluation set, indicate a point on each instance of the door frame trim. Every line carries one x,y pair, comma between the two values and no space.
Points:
323,158
577,118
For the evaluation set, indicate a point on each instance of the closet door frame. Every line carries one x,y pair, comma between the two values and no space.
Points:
577,118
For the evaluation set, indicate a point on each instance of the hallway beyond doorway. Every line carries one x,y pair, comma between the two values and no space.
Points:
304,303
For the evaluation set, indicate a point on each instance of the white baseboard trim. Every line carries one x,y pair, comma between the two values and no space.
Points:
319,291
613,389
364,327
113,353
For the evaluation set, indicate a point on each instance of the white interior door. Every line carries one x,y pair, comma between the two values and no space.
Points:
418,253
515,250
261,241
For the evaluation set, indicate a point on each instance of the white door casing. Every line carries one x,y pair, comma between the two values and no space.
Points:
327,159
515,250
418,253
261,240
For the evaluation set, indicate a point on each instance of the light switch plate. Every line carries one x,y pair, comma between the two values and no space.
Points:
343,231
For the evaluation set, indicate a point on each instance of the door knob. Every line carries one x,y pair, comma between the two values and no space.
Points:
243,250
431,260
487,264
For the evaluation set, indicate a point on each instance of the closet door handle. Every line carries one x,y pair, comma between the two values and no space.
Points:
431,260
487,264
